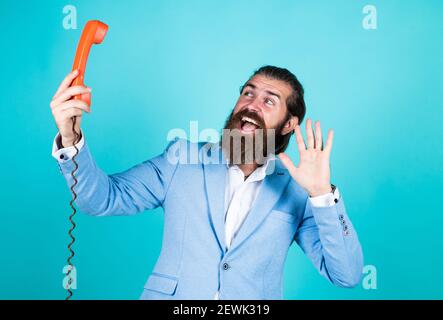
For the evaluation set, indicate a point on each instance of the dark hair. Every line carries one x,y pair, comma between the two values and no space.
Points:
295,102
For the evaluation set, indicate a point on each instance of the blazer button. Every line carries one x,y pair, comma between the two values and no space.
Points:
226,266
341,217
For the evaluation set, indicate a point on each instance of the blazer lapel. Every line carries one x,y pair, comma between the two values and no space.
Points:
215,171
272,188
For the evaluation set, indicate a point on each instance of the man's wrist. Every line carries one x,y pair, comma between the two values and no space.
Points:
322,191
64,143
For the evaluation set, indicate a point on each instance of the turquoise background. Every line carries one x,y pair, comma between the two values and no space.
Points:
165,63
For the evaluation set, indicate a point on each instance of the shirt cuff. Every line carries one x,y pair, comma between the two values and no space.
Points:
326,200
65,154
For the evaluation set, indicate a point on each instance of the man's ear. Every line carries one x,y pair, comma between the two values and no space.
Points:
290,125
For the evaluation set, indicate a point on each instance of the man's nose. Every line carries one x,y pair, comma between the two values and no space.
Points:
254,106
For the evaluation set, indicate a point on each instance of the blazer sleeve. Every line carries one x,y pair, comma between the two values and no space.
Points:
327,236
142,187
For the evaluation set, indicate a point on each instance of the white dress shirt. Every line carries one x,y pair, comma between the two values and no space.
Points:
239,193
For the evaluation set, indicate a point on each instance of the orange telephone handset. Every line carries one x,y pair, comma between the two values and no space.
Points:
93,33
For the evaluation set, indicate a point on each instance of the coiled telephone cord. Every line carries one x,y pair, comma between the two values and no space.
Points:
71,217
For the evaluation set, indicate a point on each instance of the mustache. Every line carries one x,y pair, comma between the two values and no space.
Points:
237,117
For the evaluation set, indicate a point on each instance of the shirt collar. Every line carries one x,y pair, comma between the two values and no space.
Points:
260,172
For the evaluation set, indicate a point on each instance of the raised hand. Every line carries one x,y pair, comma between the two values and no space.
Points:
313,172
64,107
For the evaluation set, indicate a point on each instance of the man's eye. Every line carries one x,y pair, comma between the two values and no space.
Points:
269,102
248,93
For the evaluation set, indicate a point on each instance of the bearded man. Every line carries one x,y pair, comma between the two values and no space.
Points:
231,216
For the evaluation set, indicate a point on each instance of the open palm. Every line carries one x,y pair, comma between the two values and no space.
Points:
313,172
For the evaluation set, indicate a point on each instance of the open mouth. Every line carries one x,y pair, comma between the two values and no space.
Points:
248,125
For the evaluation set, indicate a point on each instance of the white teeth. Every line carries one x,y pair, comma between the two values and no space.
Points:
250,120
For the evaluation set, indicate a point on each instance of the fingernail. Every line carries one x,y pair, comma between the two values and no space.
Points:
75,71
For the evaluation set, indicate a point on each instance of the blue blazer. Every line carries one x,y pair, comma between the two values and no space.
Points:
193,263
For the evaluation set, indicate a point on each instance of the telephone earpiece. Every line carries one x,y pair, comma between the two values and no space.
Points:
93,33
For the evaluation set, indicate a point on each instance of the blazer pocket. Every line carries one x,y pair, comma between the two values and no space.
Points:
283,216
162,283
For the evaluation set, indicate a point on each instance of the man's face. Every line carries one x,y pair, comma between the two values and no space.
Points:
260,107
267,99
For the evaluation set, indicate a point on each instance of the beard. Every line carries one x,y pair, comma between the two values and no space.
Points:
246,140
